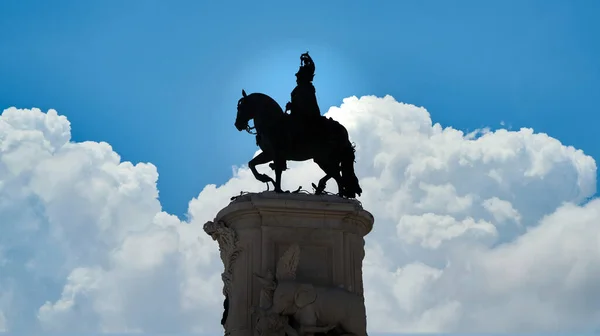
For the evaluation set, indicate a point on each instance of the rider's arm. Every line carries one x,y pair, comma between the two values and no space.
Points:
294,96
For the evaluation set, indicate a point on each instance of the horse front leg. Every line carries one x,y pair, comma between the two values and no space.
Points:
279,167
261,158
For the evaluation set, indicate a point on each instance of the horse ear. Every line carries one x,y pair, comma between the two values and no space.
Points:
244,93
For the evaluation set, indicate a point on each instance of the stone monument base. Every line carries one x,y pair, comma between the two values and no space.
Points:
292,263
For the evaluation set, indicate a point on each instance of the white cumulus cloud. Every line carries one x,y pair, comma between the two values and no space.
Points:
2,322
487,231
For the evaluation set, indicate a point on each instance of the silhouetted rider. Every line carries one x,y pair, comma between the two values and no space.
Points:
303,105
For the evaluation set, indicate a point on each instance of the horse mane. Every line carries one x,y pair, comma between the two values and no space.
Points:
263,99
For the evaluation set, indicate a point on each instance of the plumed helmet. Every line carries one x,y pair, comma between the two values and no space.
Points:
306,73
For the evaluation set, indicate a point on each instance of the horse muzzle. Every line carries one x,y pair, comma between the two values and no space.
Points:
240,126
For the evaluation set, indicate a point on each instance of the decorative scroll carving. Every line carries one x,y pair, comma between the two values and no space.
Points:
229,251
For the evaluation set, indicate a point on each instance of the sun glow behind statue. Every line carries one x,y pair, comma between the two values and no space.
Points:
272,72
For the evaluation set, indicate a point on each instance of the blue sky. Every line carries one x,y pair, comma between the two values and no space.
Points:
159,80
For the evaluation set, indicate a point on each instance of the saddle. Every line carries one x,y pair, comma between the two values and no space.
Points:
301,130
307,128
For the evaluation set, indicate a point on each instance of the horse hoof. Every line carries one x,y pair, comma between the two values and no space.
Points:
318,191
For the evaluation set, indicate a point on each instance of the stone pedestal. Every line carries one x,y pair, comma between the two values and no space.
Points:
255,230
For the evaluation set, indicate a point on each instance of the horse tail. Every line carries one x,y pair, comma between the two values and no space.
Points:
351,186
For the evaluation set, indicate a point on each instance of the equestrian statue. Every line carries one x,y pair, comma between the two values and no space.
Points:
301,135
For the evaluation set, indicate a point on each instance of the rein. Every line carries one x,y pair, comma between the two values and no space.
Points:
249,130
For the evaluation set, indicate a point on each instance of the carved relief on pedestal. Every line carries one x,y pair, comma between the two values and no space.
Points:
229,251
311,309
270,323
317,294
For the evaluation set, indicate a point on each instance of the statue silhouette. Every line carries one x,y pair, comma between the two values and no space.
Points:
299,136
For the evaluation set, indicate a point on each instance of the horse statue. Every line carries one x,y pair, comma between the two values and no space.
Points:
282,139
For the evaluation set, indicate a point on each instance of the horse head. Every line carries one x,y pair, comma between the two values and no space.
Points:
244,113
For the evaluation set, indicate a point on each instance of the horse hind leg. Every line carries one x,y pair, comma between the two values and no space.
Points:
331,171
338,179
322,184
336,175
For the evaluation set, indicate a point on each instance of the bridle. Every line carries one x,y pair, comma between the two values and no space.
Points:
248,128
